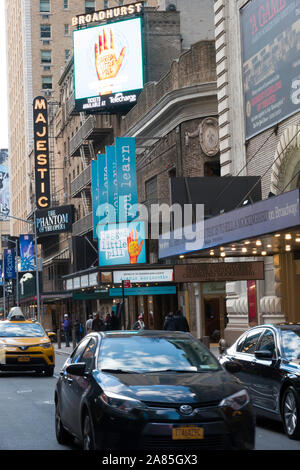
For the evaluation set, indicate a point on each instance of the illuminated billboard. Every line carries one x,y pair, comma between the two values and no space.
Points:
108,65
4,185
270,34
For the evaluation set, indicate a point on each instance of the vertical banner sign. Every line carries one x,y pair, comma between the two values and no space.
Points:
27,252
95,194
41,152
103,188
126,176
9,256
112,184
1,272
4,185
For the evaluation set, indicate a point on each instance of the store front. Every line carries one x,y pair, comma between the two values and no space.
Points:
269,231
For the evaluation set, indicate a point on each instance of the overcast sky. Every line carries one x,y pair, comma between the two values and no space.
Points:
3,81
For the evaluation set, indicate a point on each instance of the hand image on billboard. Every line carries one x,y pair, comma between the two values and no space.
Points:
133,246
106,62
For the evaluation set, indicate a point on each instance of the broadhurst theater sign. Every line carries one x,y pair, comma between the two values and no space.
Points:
261,218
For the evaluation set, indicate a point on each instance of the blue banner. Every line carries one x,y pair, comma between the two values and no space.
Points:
126,176
9,256
1,272
112,183
95,194
121,244
27,253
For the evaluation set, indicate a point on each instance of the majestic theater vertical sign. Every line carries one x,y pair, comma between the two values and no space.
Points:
41,152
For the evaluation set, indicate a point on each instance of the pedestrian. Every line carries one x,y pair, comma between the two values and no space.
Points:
139,324
114,321
169,323
181,323
108,322
97,324
89,324
77,330
67,329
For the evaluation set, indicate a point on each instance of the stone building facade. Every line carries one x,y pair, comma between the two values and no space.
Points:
272,154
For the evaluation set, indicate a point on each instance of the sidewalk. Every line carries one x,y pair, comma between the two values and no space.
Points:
67,351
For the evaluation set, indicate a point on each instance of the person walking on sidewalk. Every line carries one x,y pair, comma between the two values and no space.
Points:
89,324
67,329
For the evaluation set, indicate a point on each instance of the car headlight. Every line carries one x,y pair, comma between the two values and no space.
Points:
236,401
46,345
121,403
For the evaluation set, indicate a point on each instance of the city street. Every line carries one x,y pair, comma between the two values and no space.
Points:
27,416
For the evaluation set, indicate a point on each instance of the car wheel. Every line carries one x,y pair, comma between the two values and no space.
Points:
88,434
49,371
63,437
291,413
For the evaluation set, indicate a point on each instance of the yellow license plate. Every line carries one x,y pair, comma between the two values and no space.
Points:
188,432
24,359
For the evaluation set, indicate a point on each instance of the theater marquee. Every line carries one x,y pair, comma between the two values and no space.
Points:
41,152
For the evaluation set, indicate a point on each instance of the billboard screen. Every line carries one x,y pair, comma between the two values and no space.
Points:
270,33
108,65
4,185
121,244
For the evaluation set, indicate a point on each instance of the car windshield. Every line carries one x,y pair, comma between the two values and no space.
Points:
24,330
291,344
154,354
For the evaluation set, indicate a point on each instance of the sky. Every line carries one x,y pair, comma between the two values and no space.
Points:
3,80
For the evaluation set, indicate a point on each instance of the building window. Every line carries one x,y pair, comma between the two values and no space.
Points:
47,83
44,6
45,31
90,6
67,30
66,4
105,4
67,54
46,57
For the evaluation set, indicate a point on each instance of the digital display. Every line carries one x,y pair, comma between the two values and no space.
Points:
108,65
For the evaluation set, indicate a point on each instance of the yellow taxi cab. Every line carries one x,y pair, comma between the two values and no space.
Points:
24,345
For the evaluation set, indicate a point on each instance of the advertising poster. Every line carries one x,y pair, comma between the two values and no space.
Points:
122,244
4,185
270,36
26,253
95,194
55,220
9,257
108,64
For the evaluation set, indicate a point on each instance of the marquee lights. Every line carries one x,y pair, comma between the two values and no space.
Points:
41,152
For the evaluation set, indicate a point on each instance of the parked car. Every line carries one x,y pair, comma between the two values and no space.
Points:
146,389
266,359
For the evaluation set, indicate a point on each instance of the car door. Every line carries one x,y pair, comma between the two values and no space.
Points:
66,393
267,373
80,385
245,360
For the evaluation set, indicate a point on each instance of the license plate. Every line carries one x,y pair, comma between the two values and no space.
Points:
187,432
23,358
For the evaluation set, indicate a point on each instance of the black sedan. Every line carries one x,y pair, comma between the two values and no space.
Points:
267,361
150,390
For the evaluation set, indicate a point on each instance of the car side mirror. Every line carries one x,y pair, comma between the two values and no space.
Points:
264,354
76,369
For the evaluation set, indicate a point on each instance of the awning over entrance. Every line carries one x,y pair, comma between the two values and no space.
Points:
265,219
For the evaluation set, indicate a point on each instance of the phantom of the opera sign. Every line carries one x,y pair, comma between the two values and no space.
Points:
55,220
41,152
270,32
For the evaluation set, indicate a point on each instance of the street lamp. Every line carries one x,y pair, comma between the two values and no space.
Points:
36,259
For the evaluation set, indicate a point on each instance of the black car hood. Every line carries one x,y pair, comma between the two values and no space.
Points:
169,387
